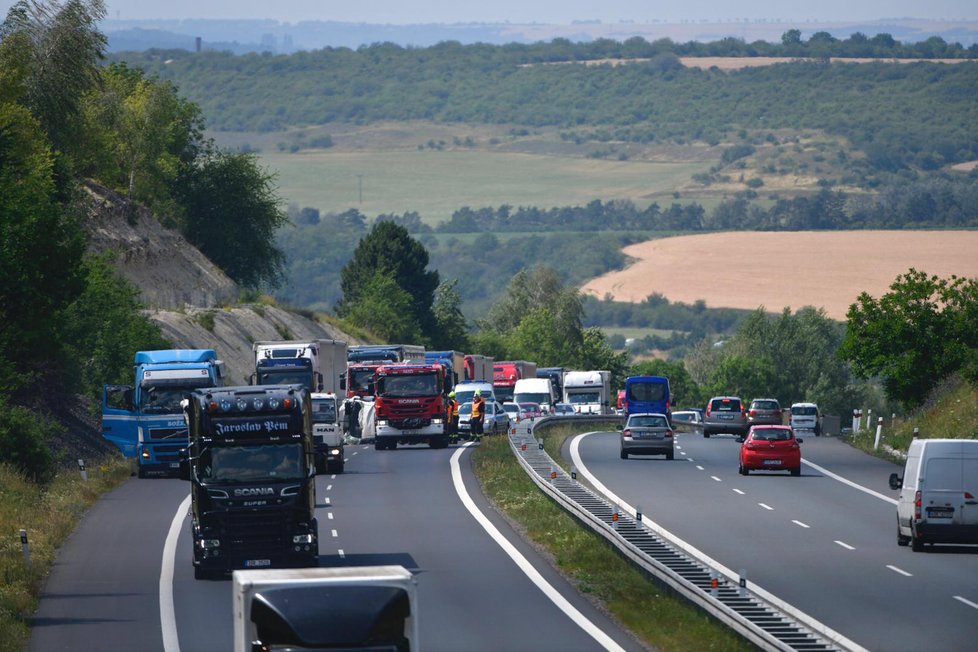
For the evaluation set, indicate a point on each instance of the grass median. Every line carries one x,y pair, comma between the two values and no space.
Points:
651,611
49,514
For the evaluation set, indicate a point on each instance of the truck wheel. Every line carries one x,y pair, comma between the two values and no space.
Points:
706,434
379,445
322,466
336,466
201,573
140,472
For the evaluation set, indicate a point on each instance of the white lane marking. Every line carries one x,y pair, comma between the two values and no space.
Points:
844,545
699,467
692,459
335,534
716,478
523,563
355,452
796,613
800,524
329,515
740,492
966,601
342,554
168,618
329,487
899,570
767,507
852,484
327,501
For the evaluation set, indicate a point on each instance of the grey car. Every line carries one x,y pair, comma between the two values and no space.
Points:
495,422
725,414
647,434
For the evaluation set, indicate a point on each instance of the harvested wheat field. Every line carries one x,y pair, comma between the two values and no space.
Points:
827,269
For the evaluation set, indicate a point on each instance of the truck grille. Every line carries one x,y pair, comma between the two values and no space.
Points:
169,453
259,532
168,433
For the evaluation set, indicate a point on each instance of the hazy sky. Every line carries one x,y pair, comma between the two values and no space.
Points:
542,11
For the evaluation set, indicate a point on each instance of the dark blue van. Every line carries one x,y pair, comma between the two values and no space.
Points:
647,394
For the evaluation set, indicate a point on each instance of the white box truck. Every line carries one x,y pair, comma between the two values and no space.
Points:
351,608
589,392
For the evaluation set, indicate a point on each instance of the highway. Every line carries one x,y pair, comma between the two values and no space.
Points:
824,543
112,586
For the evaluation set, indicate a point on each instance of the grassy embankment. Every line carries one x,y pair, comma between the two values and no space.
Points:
951,412
49,514
651,611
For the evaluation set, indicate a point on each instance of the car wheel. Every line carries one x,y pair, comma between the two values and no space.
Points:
902,539
624,455
706,433
380,445
796,471
670,455
916,544
744,470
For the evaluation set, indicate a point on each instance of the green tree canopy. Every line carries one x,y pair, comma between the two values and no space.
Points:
452,330
232,211
389,250
384,308
916,334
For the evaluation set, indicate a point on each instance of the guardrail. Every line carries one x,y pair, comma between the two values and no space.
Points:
726,599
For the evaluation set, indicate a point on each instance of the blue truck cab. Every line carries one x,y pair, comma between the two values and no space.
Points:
145,420
644,394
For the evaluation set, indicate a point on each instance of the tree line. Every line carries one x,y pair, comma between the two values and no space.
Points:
878,107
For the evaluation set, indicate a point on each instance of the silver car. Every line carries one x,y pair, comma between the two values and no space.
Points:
647,434
495,422
725,414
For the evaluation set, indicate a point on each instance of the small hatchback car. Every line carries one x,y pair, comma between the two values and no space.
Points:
770,448
647,434
764,411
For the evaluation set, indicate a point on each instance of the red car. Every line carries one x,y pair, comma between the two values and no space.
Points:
530,411
770,448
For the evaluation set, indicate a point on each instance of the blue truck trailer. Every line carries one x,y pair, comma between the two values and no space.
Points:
145,420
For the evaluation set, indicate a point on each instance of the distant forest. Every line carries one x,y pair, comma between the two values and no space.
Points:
908,115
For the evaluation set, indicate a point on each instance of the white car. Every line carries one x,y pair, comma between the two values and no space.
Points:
688,417
806,416
513,410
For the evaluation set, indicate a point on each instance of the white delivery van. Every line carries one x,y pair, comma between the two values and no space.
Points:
805,416
536,390
938,493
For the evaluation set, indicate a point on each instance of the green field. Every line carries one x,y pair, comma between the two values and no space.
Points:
637,333
437,183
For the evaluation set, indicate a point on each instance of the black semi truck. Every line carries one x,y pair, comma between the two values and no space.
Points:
251,465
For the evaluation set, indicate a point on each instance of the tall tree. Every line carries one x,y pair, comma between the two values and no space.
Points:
232,212
384,308
64,48
390,250
452,329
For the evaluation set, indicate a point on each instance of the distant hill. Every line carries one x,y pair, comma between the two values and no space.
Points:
240,36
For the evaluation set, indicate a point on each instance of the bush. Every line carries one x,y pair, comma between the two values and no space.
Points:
24,438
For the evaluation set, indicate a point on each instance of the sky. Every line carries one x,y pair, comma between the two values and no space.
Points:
541,11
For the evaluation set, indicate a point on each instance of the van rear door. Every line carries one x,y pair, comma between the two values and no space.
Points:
969,508
941,491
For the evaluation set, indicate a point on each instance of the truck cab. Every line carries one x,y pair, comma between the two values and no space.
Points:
251,468
327,433
410,405
145,420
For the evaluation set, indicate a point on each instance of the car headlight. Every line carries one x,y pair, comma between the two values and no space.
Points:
437,421
381,422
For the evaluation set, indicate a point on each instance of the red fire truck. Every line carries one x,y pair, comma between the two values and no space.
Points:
410,405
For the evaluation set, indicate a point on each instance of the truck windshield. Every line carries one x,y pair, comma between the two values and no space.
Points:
360,379
324,410
286,377
271,463
407,385
163,400
641,392
582,398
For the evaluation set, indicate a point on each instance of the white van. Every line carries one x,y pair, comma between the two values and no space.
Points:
536,390
938,493
805,416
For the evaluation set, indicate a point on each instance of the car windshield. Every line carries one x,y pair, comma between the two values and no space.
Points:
407,385
465,409
649,421
804,411
512,408
529,407
271,463
324,410
771,434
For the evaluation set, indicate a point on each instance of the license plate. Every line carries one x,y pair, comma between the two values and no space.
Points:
777,462
940,513
257,563
726,417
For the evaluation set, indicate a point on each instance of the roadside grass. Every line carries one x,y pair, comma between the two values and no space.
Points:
652,612
49,514
950,412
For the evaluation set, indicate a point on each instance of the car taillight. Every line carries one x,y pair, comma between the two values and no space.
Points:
707,410
750,445
916,506
626,432
668,434
753,413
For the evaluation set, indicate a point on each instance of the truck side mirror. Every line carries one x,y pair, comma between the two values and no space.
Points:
896,482
319,382
184,472
343,382
252,379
